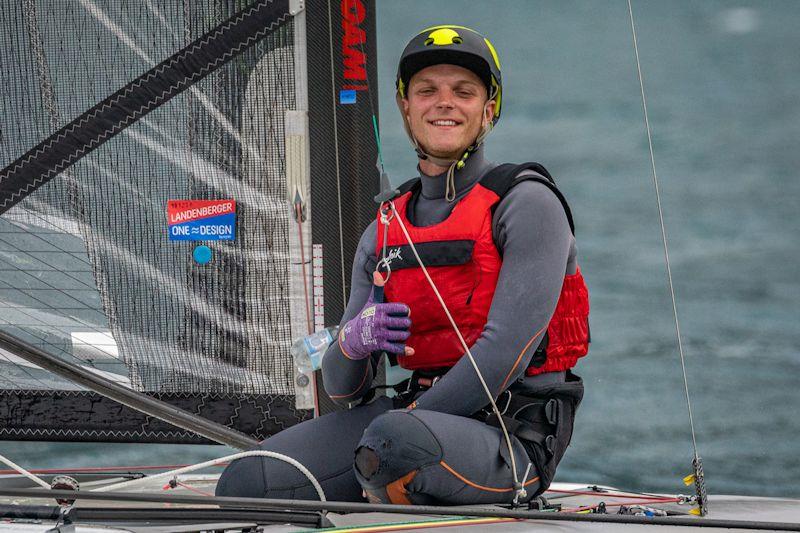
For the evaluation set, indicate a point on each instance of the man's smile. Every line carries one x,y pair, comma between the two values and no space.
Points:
444,123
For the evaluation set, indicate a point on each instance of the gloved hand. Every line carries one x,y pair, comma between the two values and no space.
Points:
377,327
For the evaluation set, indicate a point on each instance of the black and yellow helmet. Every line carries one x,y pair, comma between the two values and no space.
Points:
454,45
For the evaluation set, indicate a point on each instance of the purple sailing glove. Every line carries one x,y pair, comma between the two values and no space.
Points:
377,327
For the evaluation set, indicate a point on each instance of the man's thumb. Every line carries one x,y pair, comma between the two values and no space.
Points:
377,287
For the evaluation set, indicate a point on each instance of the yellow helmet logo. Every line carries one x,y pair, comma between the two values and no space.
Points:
443,37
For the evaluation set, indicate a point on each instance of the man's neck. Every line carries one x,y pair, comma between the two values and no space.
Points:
434,183
429,168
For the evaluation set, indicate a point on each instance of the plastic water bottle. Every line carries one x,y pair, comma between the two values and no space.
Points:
307,351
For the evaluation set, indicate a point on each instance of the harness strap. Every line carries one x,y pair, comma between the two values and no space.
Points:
505,177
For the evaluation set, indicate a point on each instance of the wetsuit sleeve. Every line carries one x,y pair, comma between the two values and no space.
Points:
531,231
347,380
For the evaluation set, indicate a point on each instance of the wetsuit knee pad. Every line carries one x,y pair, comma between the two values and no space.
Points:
392,450
243,478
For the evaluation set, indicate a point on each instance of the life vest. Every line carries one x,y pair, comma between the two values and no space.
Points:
464,263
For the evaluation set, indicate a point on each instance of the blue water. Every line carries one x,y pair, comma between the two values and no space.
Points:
721,81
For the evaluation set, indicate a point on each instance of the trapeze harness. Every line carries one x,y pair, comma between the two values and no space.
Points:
464,263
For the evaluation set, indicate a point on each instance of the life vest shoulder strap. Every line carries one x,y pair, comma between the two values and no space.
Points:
503,178
409,185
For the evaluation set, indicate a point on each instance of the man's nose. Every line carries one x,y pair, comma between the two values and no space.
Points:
445,99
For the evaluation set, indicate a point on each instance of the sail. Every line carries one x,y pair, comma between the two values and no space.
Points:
154,157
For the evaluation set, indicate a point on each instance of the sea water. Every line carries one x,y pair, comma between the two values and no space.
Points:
721,84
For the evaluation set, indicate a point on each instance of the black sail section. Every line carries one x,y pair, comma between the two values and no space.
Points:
83,416
87,269
130,103
344,174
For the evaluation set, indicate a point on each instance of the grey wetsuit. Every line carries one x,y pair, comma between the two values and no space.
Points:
434,453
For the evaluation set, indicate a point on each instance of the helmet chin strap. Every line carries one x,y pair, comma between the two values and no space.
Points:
451,164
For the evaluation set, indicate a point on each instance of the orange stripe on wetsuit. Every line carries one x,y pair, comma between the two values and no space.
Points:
481,487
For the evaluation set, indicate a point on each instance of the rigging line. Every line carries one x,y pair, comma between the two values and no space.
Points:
51,287
298,213
215,462
27,474
68,273
61,231
219,102
49,226
608,494
585,508
128,470
7,384
14,385
38,326
519,488
336,154
26,370
43,344
43,217
372,110
360,507
663,228
189,488
58,352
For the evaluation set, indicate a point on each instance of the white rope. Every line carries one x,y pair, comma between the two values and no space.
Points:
214,462
24,472
519,488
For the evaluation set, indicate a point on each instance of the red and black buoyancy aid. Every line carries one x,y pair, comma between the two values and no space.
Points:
464,263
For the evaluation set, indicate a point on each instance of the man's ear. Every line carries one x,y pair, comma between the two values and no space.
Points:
404,104
488,112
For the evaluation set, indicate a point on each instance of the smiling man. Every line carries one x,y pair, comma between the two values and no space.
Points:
449,110
499,245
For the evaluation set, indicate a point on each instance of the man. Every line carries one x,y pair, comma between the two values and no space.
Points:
498,244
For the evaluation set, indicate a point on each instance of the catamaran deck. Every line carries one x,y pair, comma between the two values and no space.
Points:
743,513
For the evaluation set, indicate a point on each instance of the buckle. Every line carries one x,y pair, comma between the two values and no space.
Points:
551,412
549,444
508,402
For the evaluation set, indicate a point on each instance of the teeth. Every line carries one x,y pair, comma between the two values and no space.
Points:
444,122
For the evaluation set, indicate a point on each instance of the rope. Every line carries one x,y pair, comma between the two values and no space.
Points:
188,487
519,488
663,229
15,466
450,193
336,156
214,462
298,213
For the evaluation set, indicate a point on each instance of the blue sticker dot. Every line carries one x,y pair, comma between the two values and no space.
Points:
347,96
202,254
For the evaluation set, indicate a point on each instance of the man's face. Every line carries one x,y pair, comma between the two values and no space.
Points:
446,108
